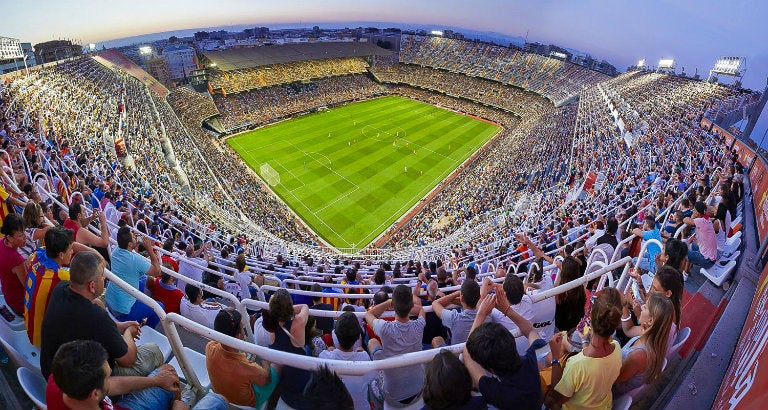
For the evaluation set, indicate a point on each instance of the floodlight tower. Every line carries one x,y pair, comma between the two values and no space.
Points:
729,66
666,65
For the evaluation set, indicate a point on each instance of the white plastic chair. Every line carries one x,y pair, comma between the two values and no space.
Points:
33,385
622,403
680,340
719,274
197,360
729,257
149,335
731,247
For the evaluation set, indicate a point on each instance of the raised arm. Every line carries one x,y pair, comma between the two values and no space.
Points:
525,326
154,269
439,304
537,252
376,311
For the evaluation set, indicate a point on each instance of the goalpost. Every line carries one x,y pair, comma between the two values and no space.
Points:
269,174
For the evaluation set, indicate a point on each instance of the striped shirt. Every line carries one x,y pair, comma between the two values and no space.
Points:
42,276
4,210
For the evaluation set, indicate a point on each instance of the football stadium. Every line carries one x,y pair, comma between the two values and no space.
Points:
377,218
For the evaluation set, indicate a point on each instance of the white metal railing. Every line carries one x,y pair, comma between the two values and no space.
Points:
344,367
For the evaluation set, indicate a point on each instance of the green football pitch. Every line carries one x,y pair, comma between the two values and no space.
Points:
352,171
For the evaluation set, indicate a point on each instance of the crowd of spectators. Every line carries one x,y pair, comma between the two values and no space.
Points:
549,77
488,92
190,104
266,76
265,105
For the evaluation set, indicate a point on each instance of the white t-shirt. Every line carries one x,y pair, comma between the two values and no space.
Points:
244,279
524,309
357,385
203,313
191,271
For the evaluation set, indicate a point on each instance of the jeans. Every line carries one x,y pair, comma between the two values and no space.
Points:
151,398
696,258
211,401
139,312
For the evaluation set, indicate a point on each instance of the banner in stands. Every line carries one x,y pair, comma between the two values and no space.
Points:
120,150
745,385
759,181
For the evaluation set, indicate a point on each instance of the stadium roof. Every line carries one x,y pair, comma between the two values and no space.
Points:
241,58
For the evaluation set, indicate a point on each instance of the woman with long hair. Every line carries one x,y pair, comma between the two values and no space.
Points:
570,304
35,227
668,283
643,355
587,379
286,325
569,308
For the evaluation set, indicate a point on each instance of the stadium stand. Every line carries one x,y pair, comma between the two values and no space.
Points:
549,77
229,82
528,217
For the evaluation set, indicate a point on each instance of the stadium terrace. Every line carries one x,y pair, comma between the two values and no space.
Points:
447,224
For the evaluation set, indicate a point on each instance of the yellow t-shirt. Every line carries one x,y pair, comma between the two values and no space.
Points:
588,380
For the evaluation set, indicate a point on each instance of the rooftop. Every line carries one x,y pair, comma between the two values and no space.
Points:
238,59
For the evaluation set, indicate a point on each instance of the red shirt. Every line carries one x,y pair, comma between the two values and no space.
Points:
13,289
73,226
54,398
169,297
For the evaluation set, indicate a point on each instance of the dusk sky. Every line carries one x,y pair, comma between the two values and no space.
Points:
694,33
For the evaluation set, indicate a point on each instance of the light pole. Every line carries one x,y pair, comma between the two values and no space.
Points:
25,64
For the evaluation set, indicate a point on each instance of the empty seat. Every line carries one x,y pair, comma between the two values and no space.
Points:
719,274
727,257
149,335
33,385
731,247
197,361
14,339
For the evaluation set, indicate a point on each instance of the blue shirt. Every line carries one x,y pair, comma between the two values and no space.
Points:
130,267
652,249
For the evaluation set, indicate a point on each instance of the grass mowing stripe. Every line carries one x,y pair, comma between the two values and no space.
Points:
351,185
